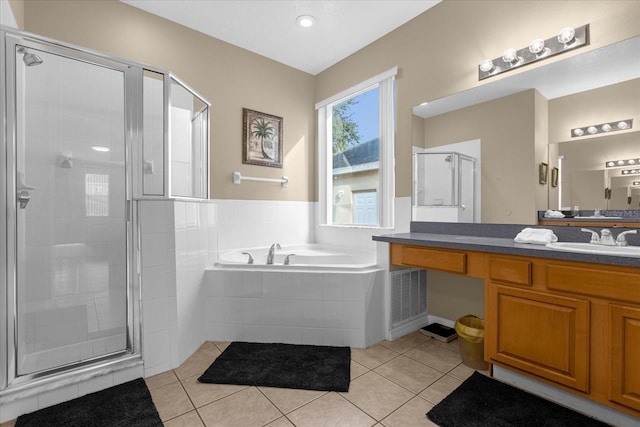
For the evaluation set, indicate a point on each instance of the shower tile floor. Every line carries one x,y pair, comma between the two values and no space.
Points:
392,384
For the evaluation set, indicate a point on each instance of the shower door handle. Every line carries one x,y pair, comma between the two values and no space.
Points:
23,198
22,191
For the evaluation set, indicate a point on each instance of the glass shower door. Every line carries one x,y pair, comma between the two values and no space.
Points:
71,289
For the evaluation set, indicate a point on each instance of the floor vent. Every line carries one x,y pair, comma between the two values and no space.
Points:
408,296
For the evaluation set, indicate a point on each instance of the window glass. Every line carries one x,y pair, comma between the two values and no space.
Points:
355,136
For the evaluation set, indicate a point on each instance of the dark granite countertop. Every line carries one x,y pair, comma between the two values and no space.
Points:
498,238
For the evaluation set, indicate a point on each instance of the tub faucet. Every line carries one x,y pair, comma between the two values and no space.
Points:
272,249
250,261
286,259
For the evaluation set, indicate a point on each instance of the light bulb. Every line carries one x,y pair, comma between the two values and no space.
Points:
486,66
578,132
592,130
621,162
305,21
631,161
509,55
622,125
536,46
606,127
566,35
610,164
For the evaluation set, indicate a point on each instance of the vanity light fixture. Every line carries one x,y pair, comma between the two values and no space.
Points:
630,172
636,182
619,163
567,39
602,128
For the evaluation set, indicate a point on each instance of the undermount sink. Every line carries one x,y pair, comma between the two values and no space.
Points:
630,251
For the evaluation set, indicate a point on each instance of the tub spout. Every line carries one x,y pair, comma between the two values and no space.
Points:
286,259
272,249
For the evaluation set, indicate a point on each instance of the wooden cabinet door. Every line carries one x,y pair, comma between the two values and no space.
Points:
625,356
545,335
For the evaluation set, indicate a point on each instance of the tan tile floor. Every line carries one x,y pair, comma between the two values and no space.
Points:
393,384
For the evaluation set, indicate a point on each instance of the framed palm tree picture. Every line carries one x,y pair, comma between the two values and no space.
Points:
262,139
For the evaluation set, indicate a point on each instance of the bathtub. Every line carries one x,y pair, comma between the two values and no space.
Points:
307,257
325,296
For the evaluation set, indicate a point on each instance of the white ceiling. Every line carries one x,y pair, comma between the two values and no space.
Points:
269,28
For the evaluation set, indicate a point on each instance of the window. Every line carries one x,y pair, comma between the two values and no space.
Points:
355,140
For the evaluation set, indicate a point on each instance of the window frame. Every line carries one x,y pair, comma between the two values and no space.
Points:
385,82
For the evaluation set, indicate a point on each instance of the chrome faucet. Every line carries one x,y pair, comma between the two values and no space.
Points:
272,249
286,259
250,261
606,237
621,240
595,239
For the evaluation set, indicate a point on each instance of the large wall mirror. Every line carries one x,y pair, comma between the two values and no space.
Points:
525,120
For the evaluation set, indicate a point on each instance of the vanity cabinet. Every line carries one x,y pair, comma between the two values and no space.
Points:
625,355
546,335
574,325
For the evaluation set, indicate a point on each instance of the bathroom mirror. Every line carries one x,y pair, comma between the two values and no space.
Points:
526,119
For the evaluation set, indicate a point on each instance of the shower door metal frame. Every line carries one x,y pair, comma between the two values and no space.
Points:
132,74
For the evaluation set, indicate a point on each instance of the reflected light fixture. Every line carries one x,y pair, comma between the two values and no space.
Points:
602,128
567,39
305,21
636,183
630,172
100,148
620,163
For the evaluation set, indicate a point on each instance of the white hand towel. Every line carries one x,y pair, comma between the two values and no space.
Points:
553,214
536,236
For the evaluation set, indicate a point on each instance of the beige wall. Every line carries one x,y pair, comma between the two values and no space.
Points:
17,7
506,129
438,52
229,77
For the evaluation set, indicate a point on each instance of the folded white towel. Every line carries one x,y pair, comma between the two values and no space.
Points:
536,236
553,214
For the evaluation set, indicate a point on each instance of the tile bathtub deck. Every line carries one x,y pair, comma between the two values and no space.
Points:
392,384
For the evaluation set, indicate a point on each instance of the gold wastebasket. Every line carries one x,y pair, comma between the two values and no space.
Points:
470,331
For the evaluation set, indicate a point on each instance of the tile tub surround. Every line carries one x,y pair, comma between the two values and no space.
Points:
498,238
337,308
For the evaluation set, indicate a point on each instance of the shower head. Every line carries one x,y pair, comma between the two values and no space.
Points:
30,59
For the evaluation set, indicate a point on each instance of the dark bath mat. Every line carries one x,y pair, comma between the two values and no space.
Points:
481,401
124,405
308,367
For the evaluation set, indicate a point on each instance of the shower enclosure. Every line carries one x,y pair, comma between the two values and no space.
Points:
443,187
84,137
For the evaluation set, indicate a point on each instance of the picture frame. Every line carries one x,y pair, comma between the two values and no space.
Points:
261,139
543,171
554,177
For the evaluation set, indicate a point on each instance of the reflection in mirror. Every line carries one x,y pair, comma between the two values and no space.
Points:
582,160
525,119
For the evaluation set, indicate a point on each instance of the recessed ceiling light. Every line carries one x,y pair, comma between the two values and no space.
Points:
306,21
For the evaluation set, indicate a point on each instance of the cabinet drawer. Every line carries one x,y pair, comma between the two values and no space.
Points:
510,271
594,281
435,259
